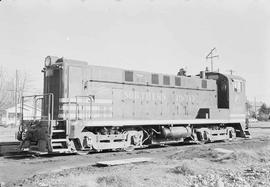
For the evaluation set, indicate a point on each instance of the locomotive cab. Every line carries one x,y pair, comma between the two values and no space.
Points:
231,96
222,89
230,91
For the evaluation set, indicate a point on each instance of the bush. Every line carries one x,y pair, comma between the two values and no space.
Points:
113,180
263,117
183,169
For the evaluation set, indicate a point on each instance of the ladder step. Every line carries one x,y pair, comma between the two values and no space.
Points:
61,150
59,140
58,130
57,144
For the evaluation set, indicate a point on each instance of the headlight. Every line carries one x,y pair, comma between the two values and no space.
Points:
48,61
51,60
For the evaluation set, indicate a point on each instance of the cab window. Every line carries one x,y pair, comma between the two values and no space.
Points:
237,85
155,79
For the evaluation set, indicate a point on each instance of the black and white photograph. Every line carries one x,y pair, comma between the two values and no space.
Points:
135,93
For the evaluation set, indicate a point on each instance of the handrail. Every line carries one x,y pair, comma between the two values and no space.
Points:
91,98
36,98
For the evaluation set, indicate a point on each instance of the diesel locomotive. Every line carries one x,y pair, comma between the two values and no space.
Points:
94,108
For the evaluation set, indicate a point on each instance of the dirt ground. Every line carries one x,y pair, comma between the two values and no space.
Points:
243,162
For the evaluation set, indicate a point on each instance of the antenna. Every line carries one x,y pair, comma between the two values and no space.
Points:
211,56
231,71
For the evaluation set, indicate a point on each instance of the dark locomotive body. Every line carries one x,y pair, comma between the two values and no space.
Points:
87,107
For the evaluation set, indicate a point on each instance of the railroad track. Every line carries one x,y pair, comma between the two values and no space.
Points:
9,147
12,148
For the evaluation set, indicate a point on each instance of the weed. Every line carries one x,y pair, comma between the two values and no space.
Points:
183,169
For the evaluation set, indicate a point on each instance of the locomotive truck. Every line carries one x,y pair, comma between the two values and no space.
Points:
94,108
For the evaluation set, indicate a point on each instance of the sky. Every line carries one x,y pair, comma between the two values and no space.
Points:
148,35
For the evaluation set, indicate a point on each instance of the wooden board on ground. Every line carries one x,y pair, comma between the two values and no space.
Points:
123,161
223,151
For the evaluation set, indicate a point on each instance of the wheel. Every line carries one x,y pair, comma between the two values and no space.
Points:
230,135
200,137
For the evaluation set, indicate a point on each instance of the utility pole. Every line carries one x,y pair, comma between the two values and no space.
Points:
211,56
16,97
255,108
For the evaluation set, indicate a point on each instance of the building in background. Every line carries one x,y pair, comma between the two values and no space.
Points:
8,115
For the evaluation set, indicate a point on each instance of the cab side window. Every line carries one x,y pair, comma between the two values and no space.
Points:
237,85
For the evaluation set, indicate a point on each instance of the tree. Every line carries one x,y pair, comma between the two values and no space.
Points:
8,87
264,109
250,109
264,112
